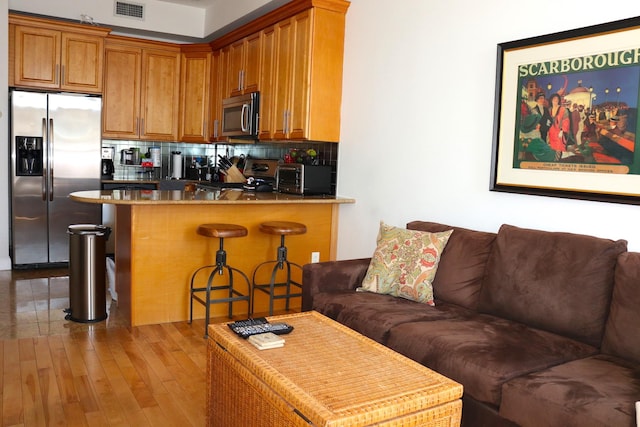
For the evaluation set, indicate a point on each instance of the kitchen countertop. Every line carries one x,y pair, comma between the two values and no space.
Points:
130,181
218,197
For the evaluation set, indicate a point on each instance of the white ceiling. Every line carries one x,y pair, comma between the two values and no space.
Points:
172,20
195,3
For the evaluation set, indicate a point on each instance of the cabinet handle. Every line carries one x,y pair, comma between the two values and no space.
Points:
51,142
240,80
57,76
215,128
244,119
141,127
287,116
284,121
45,165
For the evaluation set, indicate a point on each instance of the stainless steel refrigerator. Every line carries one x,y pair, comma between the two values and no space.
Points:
55,150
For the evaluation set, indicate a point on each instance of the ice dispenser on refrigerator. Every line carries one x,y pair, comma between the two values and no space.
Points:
28,155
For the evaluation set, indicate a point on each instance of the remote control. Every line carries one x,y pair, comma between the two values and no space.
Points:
249,322
248,330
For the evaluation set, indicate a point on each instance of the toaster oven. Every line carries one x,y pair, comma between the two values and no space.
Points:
298,178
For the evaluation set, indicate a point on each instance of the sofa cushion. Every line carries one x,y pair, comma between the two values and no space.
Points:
559,282
462,263
596,391
330,276
405,263
373,314
621,335
483,352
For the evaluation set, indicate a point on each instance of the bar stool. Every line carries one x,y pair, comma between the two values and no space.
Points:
281,228
221,231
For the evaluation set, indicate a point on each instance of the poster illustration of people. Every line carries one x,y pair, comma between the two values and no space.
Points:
579,114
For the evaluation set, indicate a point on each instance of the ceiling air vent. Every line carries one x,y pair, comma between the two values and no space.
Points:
129,10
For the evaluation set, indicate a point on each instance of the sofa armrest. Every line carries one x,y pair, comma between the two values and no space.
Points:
331,276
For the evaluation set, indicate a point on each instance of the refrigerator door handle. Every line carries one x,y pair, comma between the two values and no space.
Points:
50,160
45,166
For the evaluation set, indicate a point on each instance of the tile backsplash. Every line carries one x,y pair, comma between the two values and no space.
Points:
208,154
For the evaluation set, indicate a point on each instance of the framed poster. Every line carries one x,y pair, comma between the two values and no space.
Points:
566,114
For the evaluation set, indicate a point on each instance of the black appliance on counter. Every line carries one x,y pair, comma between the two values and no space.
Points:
298,178
107,168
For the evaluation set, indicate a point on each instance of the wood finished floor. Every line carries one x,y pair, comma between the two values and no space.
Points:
61,373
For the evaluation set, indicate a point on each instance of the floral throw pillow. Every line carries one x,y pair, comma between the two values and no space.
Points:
405,263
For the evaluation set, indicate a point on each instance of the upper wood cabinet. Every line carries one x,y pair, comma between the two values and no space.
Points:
195,77
243,64
300,69
141,90
300,49
267,83
285,49
54,55
306,84
218,91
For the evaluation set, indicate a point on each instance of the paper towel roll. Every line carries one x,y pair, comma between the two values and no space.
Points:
176,165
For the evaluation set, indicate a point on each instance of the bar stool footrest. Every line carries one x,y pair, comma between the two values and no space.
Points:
233,294
271,288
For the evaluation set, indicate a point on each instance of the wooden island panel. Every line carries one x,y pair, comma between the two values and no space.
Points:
157,251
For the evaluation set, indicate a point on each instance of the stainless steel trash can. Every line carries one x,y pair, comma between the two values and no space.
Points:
87,273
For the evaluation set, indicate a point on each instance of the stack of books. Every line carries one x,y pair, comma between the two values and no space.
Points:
266,341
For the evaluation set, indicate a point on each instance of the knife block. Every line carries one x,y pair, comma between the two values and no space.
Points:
234,175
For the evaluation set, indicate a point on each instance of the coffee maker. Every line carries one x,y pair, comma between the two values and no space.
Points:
108,168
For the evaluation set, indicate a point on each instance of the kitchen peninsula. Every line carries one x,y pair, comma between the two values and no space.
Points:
157,248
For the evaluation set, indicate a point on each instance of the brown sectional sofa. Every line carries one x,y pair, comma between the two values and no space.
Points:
541,328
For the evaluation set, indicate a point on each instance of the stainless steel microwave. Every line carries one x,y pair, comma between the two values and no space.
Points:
240,116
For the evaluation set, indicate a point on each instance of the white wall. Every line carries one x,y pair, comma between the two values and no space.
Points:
417,117
5,261
224,12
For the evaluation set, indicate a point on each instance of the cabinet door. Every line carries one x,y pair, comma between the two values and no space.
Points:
37,61
251,70
282,74
298,127
267,92
218,86
121,98
195,79
235,64
82,63
159,97
12,55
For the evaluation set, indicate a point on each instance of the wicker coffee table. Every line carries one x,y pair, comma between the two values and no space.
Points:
325,375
